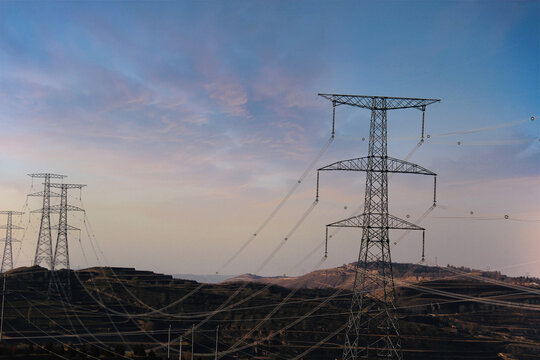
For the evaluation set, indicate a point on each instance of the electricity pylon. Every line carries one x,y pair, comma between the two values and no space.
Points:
44,243
61,251
7,258
372,330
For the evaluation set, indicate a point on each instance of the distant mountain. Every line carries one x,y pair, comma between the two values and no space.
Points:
342,277
204,278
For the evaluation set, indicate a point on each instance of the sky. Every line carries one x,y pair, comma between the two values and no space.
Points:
190,121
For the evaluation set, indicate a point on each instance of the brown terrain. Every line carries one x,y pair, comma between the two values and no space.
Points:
114,313
342,277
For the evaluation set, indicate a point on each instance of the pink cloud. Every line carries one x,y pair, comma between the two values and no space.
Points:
230,96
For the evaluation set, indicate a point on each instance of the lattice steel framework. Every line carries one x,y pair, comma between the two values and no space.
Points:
61,251
7,258
44,243
372,330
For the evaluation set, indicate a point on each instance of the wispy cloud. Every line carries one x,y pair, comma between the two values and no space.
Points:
230,96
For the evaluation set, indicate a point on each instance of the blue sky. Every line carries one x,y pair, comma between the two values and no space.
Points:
176,113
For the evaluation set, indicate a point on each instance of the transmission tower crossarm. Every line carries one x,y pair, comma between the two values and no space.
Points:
5,212
57,208
69,227
378,102
47,175
393,165
377,164
359,221
42,193
67,186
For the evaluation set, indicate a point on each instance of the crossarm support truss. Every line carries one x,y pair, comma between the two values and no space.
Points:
377,164
378,102
393,165
360,221
56,209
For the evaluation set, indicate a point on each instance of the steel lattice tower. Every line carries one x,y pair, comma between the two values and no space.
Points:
61,251
44,243
372,331
7,258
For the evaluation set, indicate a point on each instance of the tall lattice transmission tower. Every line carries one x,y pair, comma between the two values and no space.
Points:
372,331
61,251
44,243
7,258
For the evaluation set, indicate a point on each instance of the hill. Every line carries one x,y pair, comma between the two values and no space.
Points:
204,278
342,277
116,313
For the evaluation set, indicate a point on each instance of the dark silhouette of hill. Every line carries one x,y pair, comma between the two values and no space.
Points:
204,278
453,317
